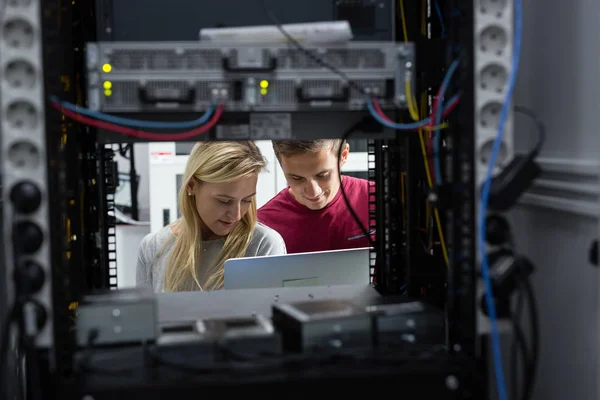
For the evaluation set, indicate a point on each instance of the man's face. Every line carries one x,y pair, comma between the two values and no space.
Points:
313,177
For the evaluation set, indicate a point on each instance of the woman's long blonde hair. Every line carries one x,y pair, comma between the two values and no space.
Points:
211,162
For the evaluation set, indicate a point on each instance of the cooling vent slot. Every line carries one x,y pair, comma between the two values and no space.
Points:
165,60
338,58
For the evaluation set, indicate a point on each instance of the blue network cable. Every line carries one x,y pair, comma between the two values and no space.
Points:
134,123
438,120
485,193
407,127
438,10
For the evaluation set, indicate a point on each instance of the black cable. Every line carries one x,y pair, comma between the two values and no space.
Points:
184,367
124,149
11,313
25,312
514,350
259,365
33,368
4,346
521,344
308,53
345,137
133,185
518,345
535,339
264,358
540,127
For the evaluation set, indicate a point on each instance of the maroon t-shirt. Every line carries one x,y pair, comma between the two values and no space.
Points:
330,228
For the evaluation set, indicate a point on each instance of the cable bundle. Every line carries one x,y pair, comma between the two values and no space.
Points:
129,127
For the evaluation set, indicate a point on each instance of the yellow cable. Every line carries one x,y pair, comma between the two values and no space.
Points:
442,242
404,31
412,105
424,153
429,227
433,128
435,210
424,18
413,109
410,101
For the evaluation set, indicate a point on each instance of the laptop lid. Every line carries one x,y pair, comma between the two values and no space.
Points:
323,268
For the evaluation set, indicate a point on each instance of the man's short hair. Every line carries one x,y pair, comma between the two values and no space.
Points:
290,148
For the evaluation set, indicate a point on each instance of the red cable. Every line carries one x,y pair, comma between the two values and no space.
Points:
153,136
450,107
436,104
434,108
446,111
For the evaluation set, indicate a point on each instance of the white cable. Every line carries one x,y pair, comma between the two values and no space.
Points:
128,220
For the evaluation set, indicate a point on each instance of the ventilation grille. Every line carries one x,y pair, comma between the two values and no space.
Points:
211,59
338,58
160,60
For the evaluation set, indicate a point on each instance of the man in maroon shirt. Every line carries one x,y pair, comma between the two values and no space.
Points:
310,213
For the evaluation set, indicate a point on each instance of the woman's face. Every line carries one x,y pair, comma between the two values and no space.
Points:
222,205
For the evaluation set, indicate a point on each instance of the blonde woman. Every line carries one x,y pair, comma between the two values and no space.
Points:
218,222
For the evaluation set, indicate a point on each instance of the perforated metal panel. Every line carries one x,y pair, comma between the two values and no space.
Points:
190,76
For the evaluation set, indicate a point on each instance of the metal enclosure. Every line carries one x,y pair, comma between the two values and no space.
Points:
172,77
558,218
120,21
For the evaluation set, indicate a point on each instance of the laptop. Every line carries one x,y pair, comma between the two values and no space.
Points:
320,268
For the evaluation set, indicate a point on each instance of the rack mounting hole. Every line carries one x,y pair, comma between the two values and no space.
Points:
18,34
24,155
